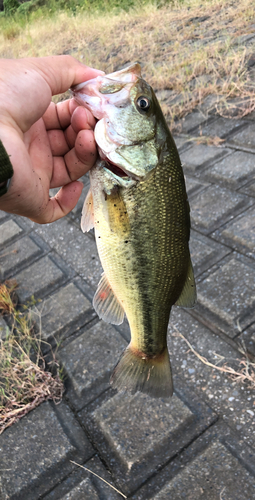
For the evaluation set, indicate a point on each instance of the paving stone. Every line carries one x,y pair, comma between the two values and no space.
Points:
246,136
182,143
3,215
40,278
77,249
249,188
89,361
200,156
222,127
17,255
8,231
40,446
227,294
81,485
214,206
233,401
233,170
247,339
240,233
193,186
136,433
205,252
215,467
61,314
209,104
193,121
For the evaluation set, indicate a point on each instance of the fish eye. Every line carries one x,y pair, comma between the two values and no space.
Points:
143,103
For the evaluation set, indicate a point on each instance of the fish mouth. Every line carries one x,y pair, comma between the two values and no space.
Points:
118,171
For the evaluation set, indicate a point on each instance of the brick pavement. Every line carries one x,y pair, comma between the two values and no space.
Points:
201,443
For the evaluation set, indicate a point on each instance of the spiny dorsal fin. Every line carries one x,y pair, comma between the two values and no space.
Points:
135,372
188,295
87,218
106,304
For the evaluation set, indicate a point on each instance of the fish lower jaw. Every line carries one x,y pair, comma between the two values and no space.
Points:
119,174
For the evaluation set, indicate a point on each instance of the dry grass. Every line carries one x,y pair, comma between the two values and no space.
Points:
24,380
245,373
190,49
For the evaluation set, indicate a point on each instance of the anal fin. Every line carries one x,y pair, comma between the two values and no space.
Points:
106,304
87,218
188,295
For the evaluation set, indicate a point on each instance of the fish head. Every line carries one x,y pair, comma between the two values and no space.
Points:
126,132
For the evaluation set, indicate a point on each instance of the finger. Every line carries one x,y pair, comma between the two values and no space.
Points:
62,72
58,143
74,164
85,147
81,119
61,204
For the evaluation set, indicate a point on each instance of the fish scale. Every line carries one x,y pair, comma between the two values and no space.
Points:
142,225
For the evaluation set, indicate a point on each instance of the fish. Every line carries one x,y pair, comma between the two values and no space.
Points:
138,207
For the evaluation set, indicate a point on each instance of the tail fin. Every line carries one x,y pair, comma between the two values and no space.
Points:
135,372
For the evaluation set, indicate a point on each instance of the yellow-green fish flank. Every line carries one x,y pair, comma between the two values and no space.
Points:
139,209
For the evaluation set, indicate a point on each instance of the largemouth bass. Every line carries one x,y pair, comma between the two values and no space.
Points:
138,206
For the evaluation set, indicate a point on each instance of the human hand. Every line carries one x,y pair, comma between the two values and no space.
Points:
49,145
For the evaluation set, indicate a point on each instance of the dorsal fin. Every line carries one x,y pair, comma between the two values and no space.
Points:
87,218
188,295
106,304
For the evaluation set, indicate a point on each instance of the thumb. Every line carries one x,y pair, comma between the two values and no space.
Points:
62,72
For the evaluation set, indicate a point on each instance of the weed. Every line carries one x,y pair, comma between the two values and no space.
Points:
245,373
24,380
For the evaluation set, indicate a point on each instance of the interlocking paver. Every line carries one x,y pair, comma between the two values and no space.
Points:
228,294
240,233
17,255
233,402
214,467
246,136
3,215
205,252
249,188
89,360
214,206
8,231
39,278
77,249
40,446
232,171
62,313
135,432
222,127
200,156
82,485
194,186
193,121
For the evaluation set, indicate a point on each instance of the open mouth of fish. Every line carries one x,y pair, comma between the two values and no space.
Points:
117,170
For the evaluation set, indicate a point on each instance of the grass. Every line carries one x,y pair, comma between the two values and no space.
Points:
24,380
245,373
189,49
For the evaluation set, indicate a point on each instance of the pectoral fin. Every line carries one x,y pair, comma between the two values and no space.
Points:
106,304
87,218
188,295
